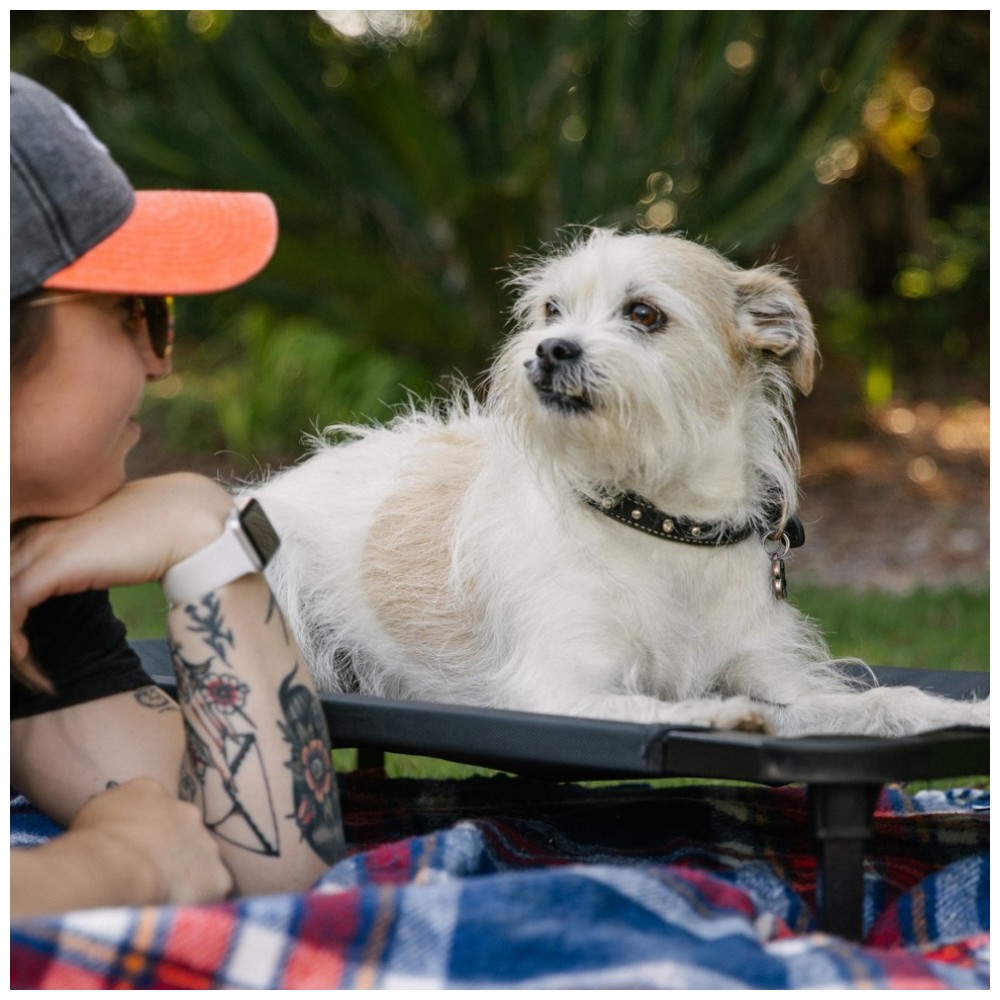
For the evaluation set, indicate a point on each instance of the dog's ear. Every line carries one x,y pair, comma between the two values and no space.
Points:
772,316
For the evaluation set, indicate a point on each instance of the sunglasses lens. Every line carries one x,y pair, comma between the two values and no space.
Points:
159,313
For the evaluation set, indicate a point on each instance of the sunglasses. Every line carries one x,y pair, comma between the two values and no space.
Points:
157,311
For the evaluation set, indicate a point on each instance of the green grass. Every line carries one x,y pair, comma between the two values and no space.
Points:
143,609
946,630
933,629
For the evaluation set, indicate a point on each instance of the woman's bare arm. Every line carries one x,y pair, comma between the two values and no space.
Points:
257,754
132,845
249,744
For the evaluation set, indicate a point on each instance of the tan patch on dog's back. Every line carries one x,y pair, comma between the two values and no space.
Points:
409,576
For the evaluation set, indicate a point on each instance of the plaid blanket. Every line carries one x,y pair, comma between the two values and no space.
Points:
505,883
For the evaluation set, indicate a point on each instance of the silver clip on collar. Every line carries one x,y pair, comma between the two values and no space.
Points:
781,543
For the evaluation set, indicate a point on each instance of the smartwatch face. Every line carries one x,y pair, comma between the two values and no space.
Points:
259,531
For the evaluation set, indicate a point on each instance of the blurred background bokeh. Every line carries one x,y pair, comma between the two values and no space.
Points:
414,155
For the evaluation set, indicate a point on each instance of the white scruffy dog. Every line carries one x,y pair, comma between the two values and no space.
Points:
478,555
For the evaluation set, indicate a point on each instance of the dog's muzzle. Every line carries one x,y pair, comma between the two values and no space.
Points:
556,372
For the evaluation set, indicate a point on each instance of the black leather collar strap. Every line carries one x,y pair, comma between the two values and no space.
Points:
643,516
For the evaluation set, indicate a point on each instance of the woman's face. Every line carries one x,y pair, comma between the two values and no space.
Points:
73,406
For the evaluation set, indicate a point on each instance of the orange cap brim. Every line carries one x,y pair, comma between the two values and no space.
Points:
179,243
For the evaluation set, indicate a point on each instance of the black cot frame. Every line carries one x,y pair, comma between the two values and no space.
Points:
843,774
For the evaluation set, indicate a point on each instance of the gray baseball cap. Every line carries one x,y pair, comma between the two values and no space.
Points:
77,223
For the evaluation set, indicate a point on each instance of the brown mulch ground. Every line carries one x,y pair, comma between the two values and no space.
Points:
900,503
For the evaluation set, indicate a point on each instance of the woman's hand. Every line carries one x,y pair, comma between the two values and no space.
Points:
132,845
165,838
134,536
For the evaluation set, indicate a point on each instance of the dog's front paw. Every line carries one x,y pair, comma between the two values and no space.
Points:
741,714
738,713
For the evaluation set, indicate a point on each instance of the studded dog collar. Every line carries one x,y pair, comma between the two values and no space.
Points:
629,509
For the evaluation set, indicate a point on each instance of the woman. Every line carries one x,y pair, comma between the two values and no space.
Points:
232,785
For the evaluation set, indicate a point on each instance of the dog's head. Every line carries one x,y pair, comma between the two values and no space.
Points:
651,353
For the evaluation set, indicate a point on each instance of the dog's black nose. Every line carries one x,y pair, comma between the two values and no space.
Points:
554,350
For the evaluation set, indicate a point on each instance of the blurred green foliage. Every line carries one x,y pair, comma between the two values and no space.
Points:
911,309
264,380
414,155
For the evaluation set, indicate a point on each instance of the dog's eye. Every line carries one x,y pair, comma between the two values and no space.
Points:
552,312
644,315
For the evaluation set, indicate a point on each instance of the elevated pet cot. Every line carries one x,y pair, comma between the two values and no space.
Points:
843,774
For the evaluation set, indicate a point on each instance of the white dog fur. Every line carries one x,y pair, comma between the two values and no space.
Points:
450,556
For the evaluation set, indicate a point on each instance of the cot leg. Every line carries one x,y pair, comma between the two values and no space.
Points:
370,759
842,818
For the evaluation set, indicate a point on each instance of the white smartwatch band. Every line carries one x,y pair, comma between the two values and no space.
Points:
246,545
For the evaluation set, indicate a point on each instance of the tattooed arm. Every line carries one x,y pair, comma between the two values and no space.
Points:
107,770
257,758
249,733
247,741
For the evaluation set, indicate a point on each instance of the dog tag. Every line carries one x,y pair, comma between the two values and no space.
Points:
779,586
